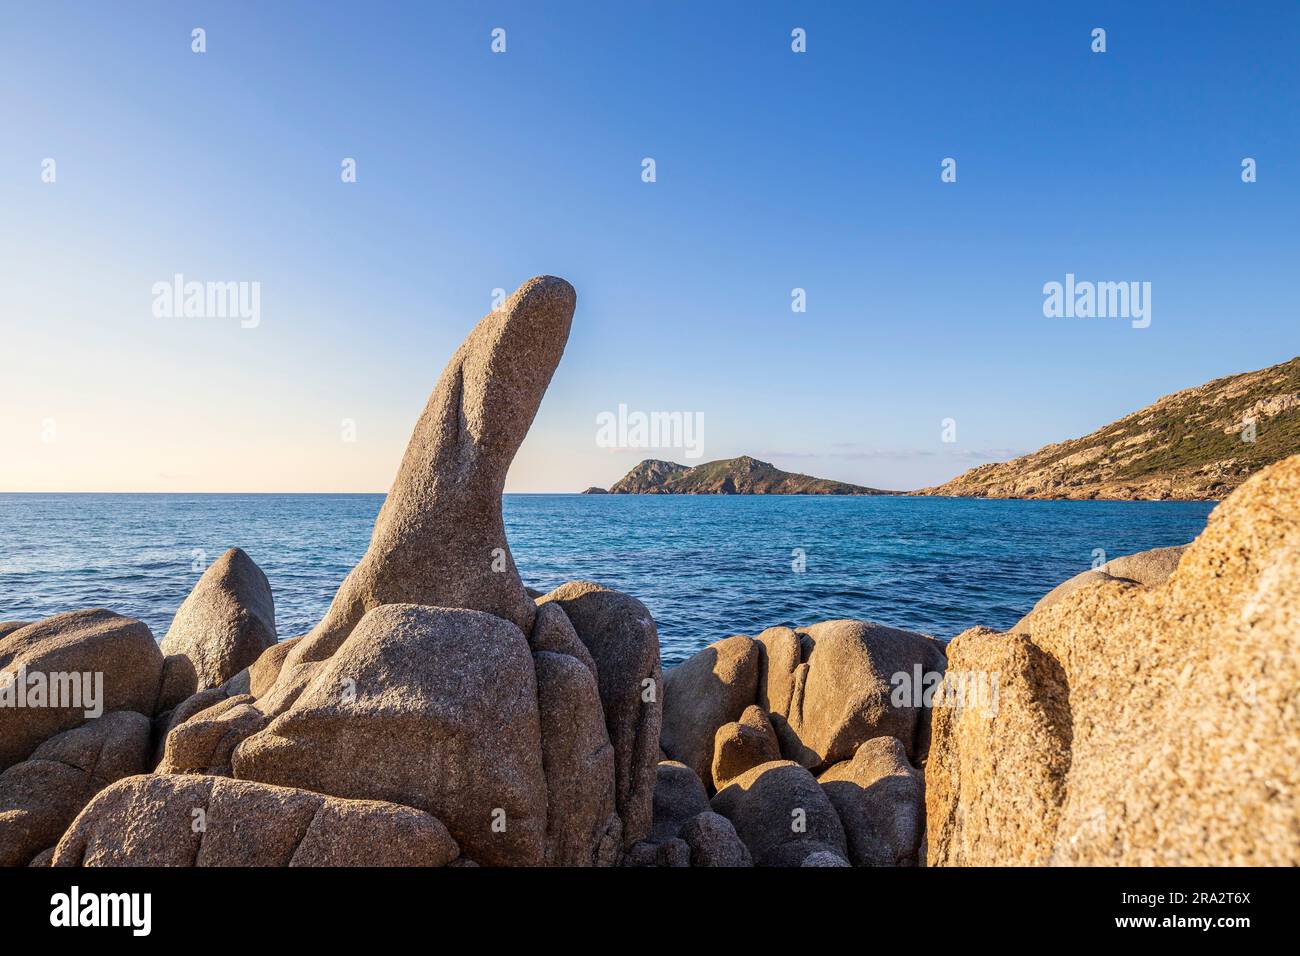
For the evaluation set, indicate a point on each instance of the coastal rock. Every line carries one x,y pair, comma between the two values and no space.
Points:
582,828
86,644
44,858
995,780
40,796
239,685
879,798
1166,716
204,743
553,631
224,624
180,680
265,671
713,841
170,820
8,627
743,745
675,852
620,634
824,858
641,854
781,814
1148,568
439,539
434,708
165,722
292,680
679,795
842,691
1070,585
780,655
703,692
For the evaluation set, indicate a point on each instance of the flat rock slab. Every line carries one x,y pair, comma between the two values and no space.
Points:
187,820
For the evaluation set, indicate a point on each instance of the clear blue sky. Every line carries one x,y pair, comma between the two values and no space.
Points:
774,170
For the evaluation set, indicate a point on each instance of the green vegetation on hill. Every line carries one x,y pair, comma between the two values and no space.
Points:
1192,444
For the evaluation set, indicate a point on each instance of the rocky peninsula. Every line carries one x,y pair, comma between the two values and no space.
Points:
1195,445
443,714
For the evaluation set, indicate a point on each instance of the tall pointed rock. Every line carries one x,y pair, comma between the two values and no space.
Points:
439,538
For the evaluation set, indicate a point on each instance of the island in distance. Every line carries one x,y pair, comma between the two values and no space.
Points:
730,476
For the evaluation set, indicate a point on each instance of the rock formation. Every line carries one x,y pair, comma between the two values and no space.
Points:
782,815
444,715
224,625
40,796
878,796
169,820
711,688
439,539
743,745
65,658
748,718
1136,725
429,707
620,636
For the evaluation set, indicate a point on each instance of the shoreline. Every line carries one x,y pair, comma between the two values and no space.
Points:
441,714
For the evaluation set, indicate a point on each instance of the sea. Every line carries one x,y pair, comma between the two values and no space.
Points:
706,566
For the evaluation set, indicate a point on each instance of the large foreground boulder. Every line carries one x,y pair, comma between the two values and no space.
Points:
167,820
222,627
624,645
83,661
1139,726
40,796
703,692
439,539
429,707
842,691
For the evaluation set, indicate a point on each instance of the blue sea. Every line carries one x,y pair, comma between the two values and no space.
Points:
705,566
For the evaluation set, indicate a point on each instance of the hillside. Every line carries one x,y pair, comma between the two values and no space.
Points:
731,476
1188,446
